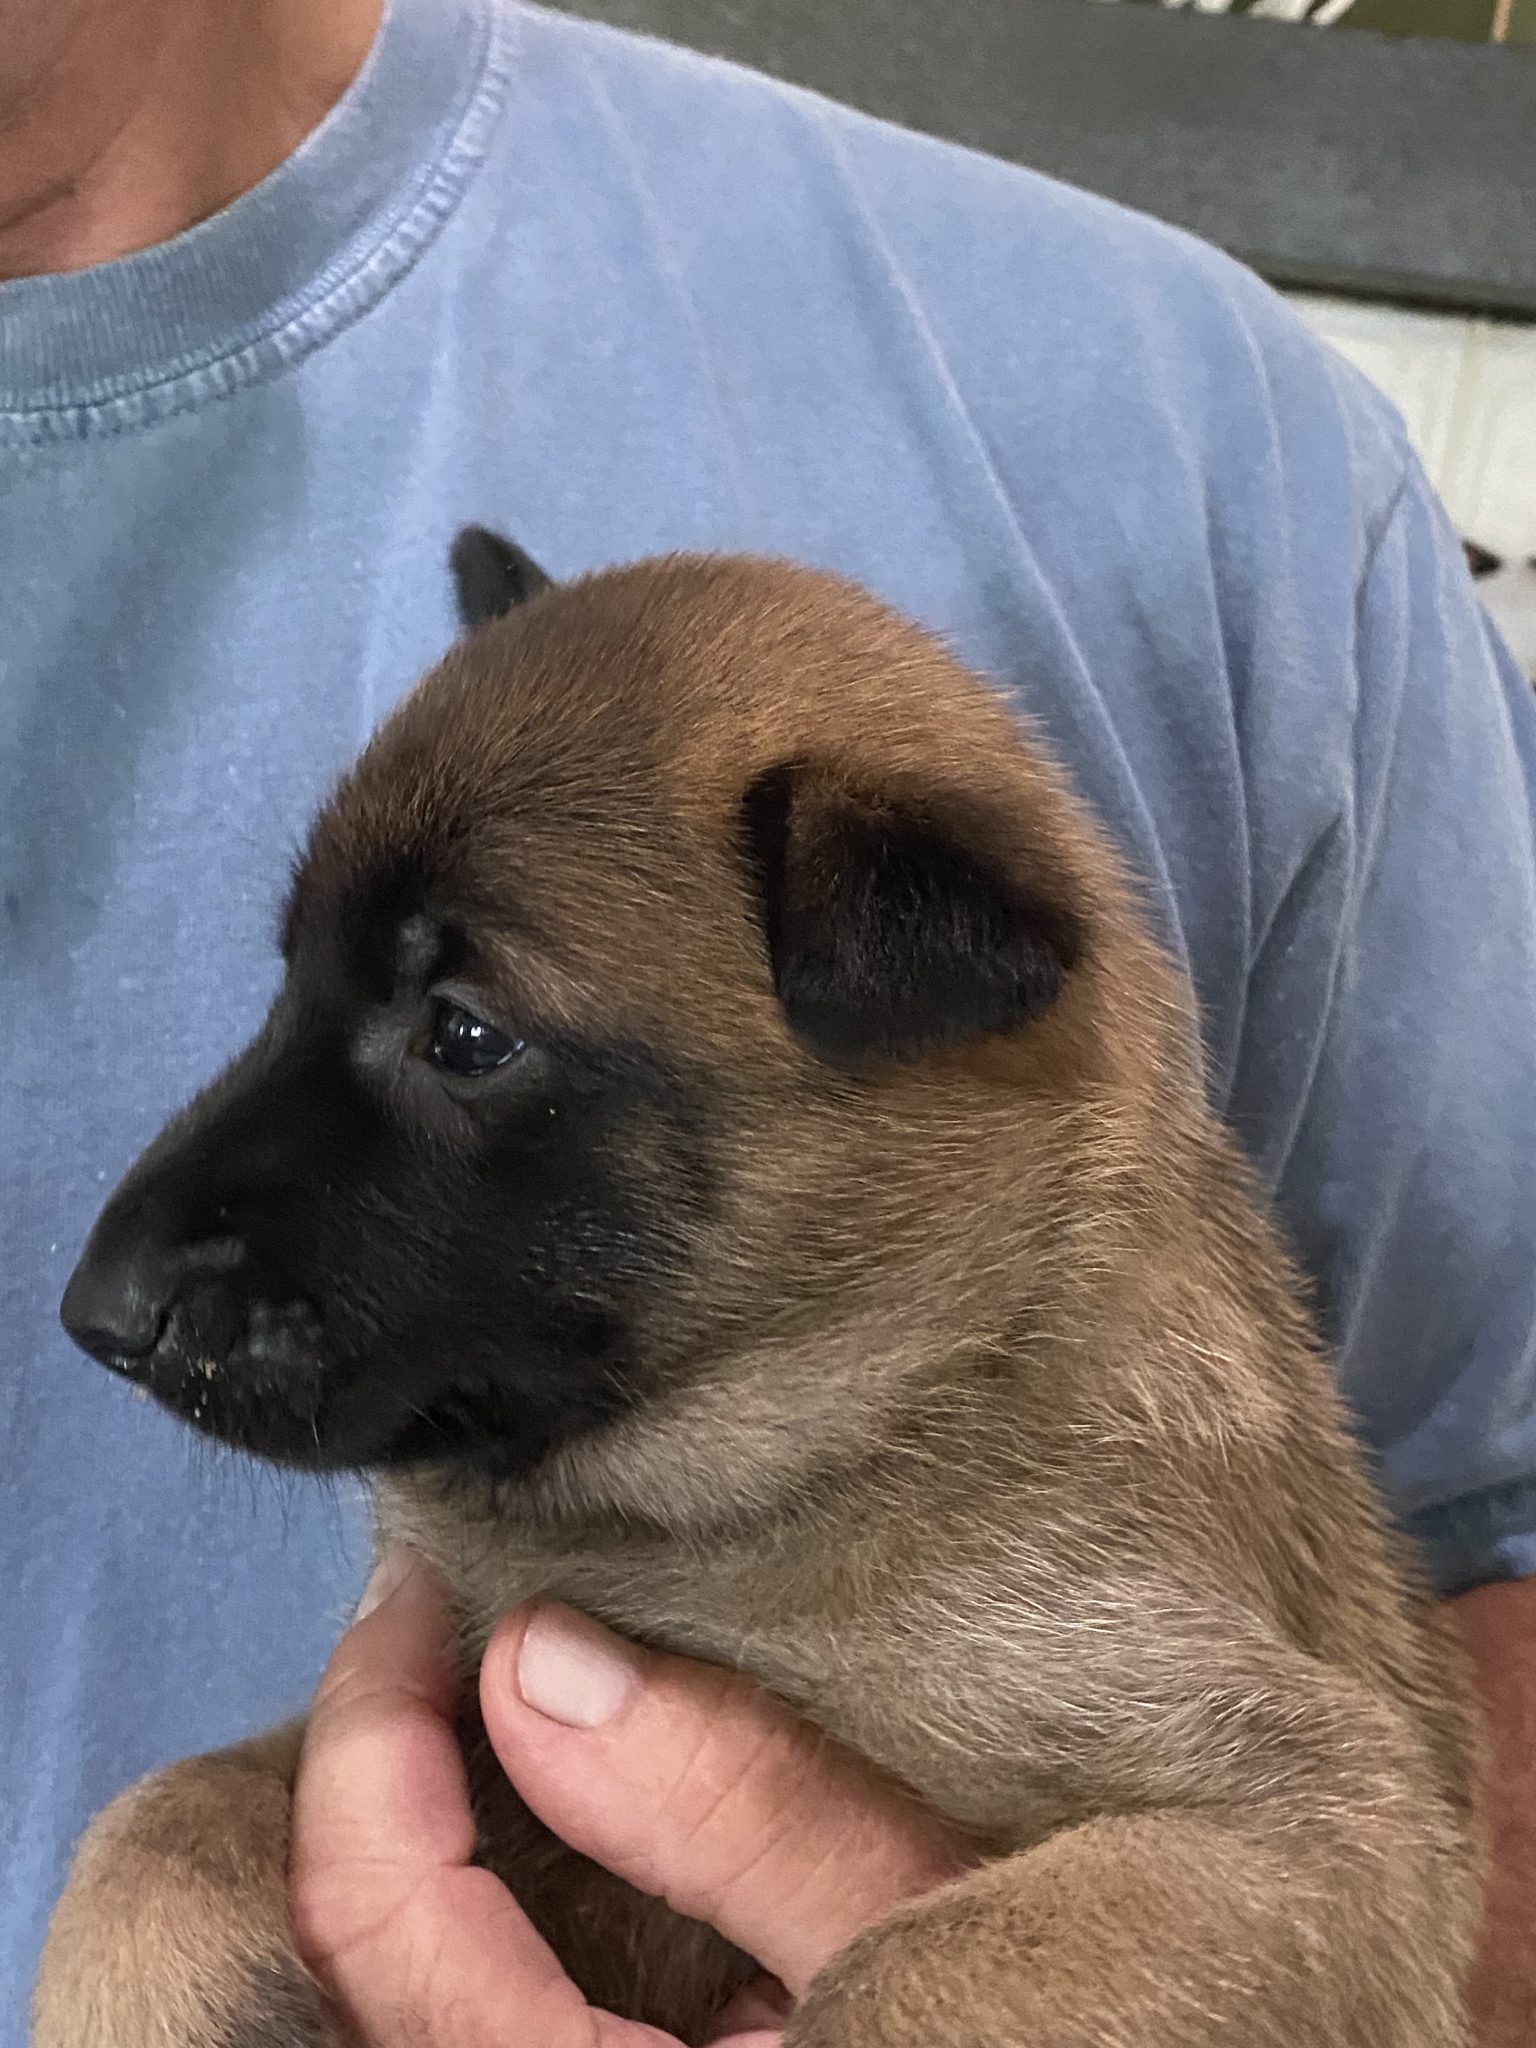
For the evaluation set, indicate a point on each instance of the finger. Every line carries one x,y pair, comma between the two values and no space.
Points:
415,1945
380,1726
692,1784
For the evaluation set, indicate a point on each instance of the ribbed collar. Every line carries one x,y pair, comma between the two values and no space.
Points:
243,292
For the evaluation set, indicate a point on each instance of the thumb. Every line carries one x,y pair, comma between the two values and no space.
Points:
691,1783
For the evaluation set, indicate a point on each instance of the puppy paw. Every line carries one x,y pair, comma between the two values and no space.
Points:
173,1930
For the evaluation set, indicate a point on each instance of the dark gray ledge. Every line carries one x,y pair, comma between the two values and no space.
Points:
1337,160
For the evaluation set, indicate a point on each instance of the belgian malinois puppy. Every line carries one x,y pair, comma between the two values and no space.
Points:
727,1153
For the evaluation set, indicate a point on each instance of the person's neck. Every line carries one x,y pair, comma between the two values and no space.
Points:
123,122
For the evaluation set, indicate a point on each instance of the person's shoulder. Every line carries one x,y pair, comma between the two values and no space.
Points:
1022,281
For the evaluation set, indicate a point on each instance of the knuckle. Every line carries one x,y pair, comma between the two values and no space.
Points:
356,1704
747,1798
349,1678
337,1937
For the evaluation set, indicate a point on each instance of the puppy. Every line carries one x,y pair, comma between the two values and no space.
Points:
728,1153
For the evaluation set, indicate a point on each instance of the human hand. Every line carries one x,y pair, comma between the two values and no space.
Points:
684,1780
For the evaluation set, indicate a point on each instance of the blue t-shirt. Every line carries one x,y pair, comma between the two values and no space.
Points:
615,299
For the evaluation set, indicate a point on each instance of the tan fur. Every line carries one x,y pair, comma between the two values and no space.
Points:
174,1926
992,1432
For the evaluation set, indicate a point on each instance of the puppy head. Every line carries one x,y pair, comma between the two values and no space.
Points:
695,967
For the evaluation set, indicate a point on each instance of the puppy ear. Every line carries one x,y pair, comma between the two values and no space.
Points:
491,575
890,932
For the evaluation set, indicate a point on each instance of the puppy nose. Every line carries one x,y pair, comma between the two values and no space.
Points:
116,1307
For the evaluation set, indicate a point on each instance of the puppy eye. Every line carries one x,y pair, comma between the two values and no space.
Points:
463,1044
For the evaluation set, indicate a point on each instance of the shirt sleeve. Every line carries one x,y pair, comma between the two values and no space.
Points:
1407,1172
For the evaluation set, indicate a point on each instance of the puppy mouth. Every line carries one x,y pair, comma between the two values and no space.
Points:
267,1389
253,1378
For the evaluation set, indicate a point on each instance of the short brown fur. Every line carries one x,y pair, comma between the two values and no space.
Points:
1034,1490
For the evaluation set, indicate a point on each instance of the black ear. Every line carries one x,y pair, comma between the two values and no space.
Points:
491,575
889,935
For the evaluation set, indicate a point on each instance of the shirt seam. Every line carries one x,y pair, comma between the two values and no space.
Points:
1376,535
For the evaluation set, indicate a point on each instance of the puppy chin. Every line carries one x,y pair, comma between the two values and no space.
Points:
247,1403
265,1430
223,1402
313,1421
269,1378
